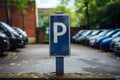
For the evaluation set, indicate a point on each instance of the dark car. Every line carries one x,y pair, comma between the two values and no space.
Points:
105,44
14,38
4,43
108,35
22,34
113,43
117,48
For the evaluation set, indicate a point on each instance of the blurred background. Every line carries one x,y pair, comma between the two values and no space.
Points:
32,16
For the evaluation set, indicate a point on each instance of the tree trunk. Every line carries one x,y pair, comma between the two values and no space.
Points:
23,20
87,15
7,11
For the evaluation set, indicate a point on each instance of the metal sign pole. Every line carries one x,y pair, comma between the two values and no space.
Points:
59,65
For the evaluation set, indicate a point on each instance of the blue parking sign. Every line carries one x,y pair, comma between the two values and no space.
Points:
59,35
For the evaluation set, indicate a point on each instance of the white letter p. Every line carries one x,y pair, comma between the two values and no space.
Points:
56,33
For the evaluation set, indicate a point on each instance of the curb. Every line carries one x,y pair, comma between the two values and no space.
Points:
52,76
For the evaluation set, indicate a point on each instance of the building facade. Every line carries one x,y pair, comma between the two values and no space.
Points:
26,22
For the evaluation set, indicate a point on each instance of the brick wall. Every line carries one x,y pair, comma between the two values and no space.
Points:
2,14
17,21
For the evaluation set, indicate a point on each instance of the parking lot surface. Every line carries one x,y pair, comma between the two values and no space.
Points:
35,58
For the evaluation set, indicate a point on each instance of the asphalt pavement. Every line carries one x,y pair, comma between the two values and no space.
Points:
35,58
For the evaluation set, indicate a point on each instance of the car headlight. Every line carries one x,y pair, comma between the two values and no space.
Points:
92,41
77,35
14,36
20,36
73,37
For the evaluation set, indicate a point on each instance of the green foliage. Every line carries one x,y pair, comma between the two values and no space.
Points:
63,7
45,22
101,12
73,17
64,2
43,18
20,5
112,11
82,10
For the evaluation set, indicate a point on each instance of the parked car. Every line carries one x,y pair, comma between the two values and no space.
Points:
105,44
14,38
108,35
117,48
74,37
22,34
94,33
91,40
4,43
113,43
80,39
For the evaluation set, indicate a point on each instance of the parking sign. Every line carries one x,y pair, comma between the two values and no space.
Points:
59,35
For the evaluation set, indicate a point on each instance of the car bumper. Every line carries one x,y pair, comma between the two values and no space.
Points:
5,45
117,49
16,43
112,46
92,43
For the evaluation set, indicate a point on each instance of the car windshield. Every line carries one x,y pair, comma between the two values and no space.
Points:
94,32
22,32
86,33
109,33
103,32
116,39
8,27
80,32
116,34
